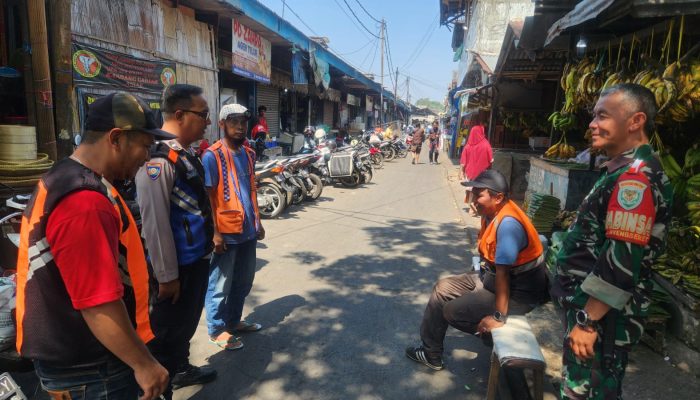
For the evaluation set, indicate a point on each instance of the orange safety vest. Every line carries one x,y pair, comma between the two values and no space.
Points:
487,236
48,327
229,212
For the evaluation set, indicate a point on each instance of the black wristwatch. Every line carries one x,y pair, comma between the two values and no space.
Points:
500,317
584,320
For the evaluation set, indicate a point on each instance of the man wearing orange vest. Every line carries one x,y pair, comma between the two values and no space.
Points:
82,281
229,175
512,279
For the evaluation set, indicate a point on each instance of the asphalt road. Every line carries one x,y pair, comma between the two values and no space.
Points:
340,289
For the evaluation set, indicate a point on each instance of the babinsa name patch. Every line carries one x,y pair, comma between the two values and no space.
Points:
631,213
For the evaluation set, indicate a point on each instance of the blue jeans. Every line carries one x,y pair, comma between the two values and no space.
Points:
231,275
108,380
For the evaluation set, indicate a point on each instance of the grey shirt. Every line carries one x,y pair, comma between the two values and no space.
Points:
153,195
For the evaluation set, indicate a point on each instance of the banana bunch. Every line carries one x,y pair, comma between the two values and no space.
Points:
570,81
670,165
561,150
589,87
562,120
680,264
615,79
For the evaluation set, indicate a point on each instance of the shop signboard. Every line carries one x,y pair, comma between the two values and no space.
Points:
252,53
369,104
353,100
97,67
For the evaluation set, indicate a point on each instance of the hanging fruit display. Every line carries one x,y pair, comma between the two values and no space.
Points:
674,83
560,150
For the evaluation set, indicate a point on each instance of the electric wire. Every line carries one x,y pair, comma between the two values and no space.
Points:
367,12
301,20
359,20
352,20
422,43
364,46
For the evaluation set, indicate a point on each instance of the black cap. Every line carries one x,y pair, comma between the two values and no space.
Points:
124,111
489,179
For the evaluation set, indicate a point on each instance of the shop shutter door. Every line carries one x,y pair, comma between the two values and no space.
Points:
269,96
328,113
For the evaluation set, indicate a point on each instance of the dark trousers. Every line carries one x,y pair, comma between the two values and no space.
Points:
433,154
462,302
107,380
175,324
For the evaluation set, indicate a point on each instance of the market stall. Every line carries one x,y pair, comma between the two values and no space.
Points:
660,50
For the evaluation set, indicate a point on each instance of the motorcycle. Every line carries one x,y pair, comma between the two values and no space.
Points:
313,183
258,134
400,147
272,199
388,150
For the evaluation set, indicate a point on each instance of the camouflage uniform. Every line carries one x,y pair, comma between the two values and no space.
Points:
601,238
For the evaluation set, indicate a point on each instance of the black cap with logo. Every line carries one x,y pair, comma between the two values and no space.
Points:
489,179
124,111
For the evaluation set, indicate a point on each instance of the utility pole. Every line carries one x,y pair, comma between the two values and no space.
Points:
408,90
408,99
381,83
396,95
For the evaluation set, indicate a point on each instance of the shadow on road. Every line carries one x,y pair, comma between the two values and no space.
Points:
347,341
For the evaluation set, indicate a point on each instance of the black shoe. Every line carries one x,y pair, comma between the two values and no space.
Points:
191,375
419,355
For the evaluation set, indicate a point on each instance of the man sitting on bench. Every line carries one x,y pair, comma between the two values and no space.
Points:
512,280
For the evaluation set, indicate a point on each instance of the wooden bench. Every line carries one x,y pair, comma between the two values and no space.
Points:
515,346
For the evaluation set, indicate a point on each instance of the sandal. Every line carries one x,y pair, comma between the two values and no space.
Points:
227,341
245,326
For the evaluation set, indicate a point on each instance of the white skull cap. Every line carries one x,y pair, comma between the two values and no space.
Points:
231,109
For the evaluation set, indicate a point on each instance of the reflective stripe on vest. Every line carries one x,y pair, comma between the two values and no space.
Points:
230,214
529,257
35,258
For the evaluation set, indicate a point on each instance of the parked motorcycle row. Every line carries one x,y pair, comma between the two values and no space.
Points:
287,181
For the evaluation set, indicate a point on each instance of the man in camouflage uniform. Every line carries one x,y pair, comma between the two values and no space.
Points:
603,273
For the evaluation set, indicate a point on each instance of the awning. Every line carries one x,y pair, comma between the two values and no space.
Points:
584,11
619,17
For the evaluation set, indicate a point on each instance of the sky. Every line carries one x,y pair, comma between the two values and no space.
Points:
418,46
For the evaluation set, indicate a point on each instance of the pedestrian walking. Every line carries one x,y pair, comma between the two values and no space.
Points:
82,279
178,232
477,156
230,178
434,139
603,272
417,143
512,277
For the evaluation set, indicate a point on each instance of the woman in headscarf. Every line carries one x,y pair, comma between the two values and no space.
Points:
477,155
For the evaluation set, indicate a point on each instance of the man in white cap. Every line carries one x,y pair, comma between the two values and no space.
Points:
229,168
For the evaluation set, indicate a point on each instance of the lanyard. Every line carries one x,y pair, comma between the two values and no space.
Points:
232,166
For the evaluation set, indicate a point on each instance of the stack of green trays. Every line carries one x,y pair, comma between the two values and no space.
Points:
543,210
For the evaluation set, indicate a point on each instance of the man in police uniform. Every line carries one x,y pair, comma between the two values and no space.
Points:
603,274
178,231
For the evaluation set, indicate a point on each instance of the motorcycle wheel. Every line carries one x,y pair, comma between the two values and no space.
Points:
390,154
299,191
352,180
377,160
277,200
317,189
367,175
403,153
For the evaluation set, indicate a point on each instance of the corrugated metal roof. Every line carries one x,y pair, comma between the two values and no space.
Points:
584,11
